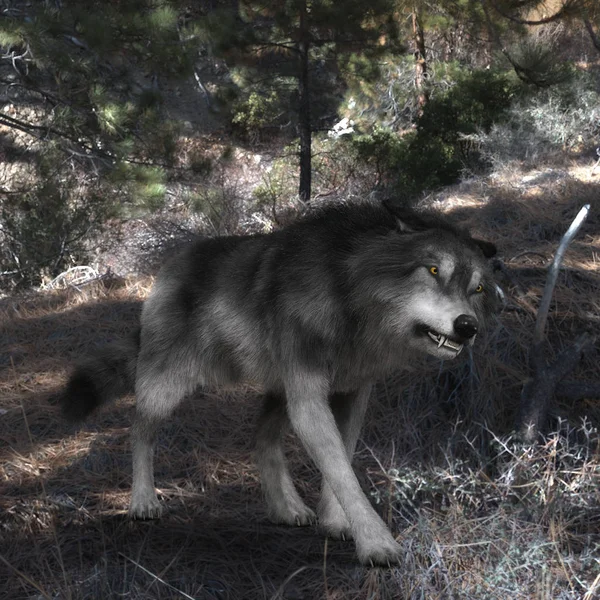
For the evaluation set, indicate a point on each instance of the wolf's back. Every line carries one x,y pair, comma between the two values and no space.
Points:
101,378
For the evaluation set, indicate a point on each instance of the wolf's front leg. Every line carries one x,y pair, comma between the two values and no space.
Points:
314,423
283,502
349,411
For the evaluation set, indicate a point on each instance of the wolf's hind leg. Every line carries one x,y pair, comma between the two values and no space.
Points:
283,502
144,503
349,412
157,398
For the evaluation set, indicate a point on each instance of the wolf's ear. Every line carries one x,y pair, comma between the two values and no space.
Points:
407,220
487,248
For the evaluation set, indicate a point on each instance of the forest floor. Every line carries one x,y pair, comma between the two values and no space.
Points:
478,515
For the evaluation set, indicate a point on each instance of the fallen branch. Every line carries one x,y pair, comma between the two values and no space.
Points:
542,386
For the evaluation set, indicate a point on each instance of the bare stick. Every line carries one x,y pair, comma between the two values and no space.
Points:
202,89
156,577
542,316
538,391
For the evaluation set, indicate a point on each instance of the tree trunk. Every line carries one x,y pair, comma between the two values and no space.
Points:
593,36
304,191
420,60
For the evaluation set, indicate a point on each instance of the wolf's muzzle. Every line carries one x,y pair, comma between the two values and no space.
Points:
466,326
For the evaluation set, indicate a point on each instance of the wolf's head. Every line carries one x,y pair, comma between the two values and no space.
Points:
433,283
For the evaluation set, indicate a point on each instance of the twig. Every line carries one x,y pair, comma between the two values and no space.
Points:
527,253
202,89
26,578
156,577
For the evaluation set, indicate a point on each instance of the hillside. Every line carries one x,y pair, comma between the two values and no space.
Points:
130,128
479,515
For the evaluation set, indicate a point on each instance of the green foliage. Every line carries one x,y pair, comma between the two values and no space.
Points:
11,36
277,189
376,93
200,163
383,150
97,66
262,45
440,148
43,228
257,111
359,69
141,187
219,204
538,63
476,101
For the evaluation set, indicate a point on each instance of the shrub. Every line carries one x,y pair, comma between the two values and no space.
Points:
258,111
220,206
43,228
141,188
441,146
277,192
383,150
546,123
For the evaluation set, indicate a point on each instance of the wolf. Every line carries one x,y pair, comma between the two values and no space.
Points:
314,313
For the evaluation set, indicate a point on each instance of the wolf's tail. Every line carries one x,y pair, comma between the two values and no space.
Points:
102,378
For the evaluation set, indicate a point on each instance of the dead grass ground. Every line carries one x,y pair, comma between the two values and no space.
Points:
478,515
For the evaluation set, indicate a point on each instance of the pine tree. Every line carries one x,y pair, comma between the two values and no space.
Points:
536,63
302,41
440,29
80,81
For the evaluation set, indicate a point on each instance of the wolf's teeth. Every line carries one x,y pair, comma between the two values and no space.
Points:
433,336
442,341
459,349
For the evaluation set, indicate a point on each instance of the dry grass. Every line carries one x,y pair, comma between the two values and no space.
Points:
479,516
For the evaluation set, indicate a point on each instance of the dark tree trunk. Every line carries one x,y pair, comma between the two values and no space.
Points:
420,60
594,37
304,110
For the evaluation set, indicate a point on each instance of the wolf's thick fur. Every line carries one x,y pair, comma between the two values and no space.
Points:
314,313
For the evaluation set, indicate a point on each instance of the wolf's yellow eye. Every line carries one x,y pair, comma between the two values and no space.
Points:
479,289
433,270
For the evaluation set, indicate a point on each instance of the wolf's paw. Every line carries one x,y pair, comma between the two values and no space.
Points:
145,508
384,552
333,521
293,513
336,531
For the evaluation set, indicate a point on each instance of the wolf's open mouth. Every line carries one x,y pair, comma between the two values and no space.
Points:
443,340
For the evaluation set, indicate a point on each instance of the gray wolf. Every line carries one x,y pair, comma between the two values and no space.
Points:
314,313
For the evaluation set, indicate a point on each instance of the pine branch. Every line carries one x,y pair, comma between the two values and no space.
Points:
30,127
564,11
524,74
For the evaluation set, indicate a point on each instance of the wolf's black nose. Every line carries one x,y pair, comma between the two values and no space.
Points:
466,326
